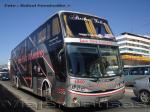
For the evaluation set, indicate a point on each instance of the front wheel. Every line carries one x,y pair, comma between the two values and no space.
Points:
46,92
145,97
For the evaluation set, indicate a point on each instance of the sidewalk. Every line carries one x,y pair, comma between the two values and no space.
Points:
34,103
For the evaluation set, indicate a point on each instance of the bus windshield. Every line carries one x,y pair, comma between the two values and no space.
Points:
92,61
78,25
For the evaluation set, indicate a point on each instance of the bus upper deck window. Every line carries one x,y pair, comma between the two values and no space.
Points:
42,35
55,27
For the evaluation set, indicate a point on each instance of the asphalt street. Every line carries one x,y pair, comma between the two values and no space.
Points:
10,103
13,100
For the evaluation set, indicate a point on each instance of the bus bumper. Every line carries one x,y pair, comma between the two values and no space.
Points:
78,99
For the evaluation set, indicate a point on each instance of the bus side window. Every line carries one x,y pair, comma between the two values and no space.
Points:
141,71
147,71
41,35
55,27
134,71
126,72
48,30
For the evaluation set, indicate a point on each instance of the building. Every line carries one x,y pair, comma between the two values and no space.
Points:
134,49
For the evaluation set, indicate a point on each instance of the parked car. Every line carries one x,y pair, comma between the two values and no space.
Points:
4,76
2,71
141,89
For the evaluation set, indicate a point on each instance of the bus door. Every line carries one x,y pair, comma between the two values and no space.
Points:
60,79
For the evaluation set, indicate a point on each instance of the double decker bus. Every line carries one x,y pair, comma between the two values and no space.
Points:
72,59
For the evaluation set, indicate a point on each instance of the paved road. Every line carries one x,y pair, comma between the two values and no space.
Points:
31,101
10,103
128,104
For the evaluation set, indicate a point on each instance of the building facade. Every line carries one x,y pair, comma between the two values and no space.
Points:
134,49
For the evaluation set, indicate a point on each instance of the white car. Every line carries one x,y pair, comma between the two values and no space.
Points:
142,89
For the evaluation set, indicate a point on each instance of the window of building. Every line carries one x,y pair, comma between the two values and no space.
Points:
133,40
135,45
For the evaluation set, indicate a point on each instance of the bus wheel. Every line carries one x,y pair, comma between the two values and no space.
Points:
46,92
145,97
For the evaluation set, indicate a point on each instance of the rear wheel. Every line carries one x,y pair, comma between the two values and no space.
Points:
145,97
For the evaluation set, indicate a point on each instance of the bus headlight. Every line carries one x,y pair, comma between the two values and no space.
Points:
79,88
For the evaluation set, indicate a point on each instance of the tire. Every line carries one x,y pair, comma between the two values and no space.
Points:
46,94
144,97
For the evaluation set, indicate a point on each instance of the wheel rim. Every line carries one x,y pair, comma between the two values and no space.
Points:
45,91
144,96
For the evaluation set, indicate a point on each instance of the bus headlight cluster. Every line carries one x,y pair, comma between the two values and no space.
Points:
79,88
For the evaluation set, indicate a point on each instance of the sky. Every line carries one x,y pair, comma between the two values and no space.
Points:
16,23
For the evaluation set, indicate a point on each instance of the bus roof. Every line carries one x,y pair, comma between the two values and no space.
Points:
63,11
